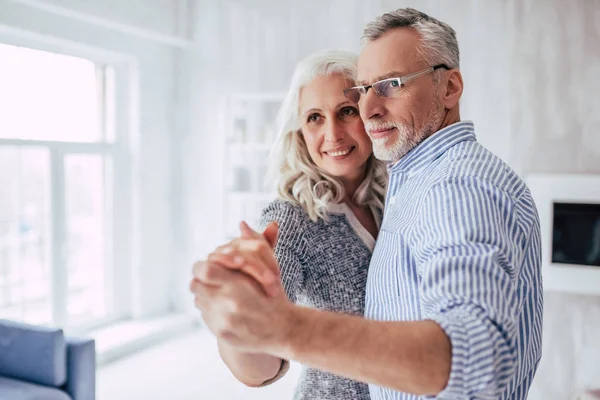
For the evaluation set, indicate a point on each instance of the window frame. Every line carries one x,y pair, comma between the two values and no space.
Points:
121,196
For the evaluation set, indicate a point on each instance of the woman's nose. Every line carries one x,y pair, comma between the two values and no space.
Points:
334,131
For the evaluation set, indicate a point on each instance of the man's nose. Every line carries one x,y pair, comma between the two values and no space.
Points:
370,106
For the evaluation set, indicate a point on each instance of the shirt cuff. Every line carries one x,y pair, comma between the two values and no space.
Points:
455,324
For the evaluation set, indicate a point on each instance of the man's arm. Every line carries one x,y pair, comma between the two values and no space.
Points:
406,356
468,241
411,357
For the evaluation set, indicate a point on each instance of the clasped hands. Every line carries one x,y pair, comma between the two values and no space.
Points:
239,291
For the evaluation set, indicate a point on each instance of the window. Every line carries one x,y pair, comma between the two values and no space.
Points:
57,156
49,96
25,259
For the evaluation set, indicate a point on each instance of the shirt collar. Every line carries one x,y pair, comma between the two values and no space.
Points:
433,147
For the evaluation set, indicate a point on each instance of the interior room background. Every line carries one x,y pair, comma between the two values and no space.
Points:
165,79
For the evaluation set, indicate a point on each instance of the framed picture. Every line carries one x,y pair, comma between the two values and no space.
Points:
569,210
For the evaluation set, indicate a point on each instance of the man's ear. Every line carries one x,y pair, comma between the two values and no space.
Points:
453,89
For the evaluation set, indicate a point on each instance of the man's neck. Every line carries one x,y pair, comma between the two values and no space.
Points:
452,117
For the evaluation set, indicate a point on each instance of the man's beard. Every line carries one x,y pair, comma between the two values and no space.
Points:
405,138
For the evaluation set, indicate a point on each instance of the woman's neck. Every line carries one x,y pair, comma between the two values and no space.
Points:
351,186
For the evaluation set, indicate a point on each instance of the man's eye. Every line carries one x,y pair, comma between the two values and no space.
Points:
394,83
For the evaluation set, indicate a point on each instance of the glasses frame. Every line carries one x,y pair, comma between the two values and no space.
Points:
401,80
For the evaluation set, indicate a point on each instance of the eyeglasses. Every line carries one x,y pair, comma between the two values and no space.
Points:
388,87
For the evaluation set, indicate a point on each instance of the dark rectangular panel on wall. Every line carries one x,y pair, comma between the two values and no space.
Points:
576,234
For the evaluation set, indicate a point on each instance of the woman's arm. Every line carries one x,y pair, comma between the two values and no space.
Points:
257,369
252,369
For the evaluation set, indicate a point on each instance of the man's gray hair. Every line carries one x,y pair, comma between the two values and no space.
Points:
438,40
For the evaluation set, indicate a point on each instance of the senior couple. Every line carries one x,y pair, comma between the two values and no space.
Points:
402,258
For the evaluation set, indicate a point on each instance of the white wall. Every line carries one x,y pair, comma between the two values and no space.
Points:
135,31
531,82
160,16
555,122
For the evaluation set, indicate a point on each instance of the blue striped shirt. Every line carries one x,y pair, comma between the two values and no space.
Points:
460,245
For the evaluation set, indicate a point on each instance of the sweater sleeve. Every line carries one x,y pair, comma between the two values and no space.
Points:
288,251
290,243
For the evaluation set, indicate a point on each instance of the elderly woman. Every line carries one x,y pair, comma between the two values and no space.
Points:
331,195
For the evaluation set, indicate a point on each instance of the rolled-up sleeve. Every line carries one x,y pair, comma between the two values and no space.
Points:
468,246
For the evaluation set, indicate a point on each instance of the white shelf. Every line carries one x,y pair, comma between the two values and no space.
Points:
249,137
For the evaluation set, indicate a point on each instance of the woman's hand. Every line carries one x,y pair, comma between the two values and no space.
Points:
251,254
236,311
242,301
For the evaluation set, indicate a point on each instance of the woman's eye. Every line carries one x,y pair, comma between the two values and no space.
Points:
313,118
348,111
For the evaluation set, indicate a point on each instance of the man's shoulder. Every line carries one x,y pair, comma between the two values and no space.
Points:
470,162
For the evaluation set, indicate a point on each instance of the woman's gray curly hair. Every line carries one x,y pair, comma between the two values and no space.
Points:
297,177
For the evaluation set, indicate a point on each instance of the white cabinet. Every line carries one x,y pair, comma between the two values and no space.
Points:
250,134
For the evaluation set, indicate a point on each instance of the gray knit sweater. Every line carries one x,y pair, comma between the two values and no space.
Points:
323,265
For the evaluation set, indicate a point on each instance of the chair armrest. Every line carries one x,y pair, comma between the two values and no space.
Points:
81,368
32,353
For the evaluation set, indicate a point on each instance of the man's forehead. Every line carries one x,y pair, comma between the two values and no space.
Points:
396,50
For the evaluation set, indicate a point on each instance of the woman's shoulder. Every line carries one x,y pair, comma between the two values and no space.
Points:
292,222
290,217
281,210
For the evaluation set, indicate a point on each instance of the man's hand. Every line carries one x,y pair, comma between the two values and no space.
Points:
237,311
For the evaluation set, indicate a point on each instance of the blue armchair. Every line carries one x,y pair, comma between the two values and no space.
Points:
40,363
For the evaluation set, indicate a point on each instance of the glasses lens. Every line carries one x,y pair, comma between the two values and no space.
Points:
353,94
386,88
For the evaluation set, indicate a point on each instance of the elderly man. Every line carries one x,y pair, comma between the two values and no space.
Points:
454,294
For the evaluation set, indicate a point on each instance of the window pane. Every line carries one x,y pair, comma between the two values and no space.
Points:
87,263
25,235
49,96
